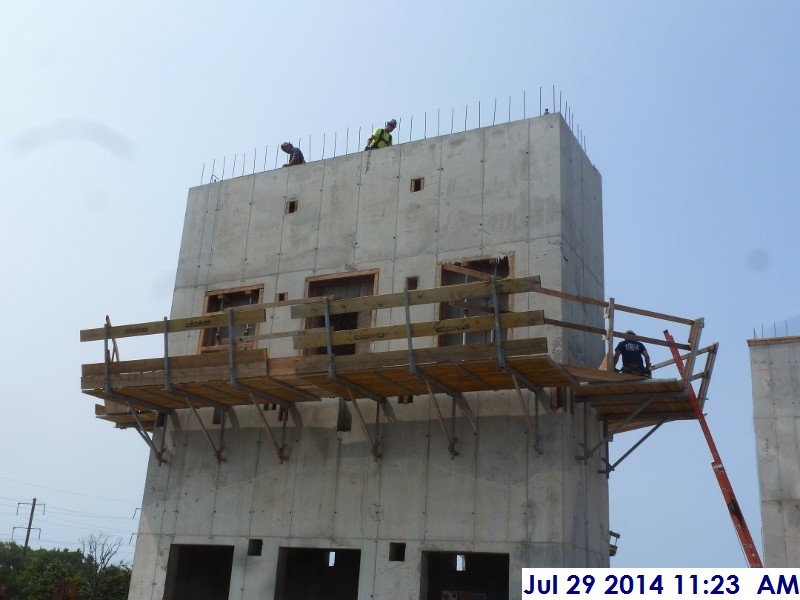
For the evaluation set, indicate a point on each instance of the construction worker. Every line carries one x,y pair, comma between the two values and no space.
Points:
381,137
295,155
632,352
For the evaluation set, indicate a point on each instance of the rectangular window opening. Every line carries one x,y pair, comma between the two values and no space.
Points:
281,297
344,420
412,282
418,184
350,285
471,271
254,547
460,575
290,207
405,399
317,573
217,338
397,551
198,572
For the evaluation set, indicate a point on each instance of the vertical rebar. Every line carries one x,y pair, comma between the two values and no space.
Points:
266,153
466,111
347,140
494,113
224,158
213,164
324,135
276,157
244,160
359,137
559,100
233,168
425,125
452,117
203,172
410,128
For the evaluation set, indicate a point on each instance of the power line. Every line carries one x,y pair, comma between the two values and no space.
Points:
44,487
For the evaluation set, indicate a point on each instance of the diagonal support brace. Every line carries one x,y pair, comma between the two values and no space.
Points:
589,453
652,430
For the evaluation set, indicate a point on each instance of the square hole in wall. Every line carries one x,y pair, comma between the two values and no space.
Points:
217,419
412,282
290,207
418,184
405,399
397,551
281,296
254,547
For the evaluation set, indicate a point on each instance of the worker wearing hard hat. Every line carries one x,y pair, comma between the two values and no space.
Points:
381,137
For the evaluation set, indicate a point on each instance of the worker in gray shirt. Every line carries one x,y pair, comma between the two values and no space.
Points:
295,155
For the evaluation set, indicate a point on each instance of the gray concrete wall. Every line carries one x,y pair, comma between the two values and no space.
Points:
775,371
524,190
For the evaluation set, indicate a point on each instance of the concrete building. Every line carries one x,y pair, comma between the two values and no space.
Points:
775,372
382,377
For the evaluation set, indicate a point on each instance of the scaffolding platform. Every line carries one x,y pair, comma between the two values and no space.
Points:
136,391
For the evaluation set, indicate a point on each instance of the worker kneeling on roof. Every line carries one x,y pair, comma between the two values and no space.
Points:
635,358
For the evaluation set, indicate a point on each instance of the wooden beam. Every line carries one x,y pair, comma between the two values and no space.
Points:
453,268
444,327
448,293
440,354
240,317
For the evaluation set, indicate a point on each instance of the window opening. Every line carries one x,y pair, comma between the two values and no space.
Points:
458,575
254,547
218,338
342,286
412,282
290,207
417,185
397,551
281,296
461,562
405,399
310,573
344,420
470,272
196,572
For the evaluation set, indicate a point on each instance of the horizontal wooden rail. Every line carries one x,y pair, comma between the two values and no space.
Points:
444,327
448,293
240,317
621,307
619,334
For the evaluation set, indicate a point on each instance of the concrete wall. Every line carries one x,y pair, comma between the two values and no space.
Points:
775,371
524,190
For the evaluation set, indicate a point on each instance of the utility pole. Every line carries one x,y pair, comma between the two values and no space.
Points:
28,532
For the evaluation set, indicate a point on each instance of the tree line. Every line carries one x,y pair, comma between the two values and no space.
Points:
63,574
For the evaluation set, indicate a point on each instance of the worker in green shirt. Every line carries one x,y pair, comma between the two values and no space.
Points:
381,137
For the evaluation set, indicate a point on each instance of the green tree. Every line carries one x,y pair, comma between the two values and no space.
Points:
44,569
10,569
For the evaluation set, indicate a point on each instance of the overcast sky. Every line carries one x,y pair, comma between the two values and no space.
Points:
111,111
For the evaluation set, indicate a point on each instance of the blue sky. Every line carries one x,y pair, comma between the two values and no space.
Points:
111,111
